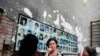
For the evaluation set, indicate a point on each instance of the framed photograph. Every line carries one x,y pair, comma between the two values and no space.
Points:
42,27
23,20
26,25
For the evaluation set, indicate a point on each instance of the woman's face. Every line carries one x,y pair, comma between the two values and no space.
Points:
52,45
85,53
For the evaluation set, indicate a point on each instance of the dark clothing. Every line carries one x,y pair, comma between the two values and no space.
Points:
34,54
37,54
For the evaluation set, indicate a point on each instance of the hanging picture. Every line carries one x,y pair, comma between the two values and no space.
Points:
67,43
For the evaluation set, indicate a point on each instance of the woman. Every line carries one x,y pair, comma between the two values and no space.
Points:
89,51
52,48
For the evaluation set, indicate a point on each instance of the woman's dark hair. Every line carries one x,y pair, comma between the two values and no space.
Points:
28,45
91,51
50,39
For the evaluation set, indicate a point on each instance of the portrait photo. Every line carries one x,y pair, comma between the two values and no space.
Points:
23,20
40,46
36,25
41,27
46,28
41,37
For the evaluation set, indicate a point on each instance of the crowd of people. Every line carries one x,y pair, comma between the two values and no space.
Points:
29,48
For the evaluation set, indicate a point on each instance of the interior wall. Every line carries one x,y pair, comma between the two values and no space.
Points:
72,16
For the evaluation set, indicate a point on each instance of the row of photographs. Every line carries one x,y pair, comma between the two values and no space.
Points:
44,37
42,46
33,24
43,32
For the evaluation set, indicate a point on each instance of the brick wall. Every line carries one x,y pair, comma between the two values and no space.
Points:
6,32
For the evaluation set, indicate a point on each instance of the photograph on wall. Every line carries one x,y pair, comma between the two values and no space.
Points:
30,23
46,28
54,33
36,26
42,27
46,37
50,30
36,29
41,36
40,45
23,20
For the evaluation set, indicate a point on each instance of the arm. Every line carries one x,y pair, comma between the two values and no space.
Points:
48,51
47,54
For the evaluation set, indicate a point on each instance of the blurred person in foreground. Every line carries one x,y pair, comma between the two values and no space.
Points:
29,46
89,51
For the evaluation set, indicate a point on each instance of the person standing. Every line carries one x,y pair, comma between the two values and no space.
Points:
52,49
28,46
89,51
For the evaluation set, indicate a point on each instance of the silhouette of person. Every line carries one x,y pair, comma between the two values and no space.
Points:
29,46
89,51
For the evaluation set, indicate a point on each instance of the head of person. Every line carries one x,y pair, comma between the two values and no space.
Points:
52,43
28,45
89,51
36,25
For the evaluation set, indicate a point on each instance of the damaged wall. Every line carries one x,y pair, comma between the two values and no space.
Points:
69,15
6,33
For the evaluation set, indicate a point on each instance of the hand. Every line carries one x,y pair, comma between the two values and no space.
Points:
49,50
